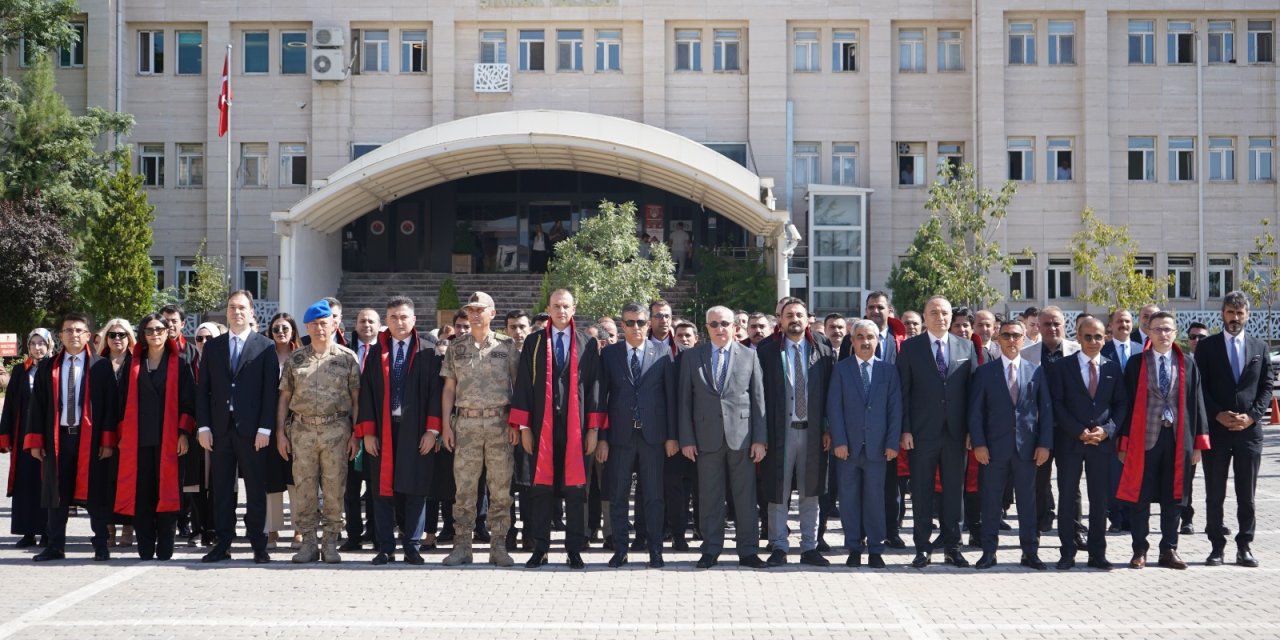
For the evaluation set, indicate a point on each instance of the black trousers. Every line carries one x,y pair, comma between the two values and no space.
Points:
1157,486
155,530
99,512
353,502
647,460
946,454
543,499
1241,454
1095,464
679,481
231,451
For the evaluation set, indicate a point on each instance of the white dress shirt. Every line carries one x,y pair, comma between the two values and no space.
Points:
77,410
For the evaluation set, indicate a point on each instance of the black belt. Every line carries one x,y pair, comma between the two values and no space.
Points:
636,424
71,429
800,424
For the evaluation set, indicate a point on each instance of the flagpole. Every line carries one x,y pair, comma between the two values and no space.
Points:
230,277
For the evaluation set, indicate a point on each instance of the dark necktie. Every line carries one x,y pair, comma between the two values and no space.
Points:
802,386
866,380
397,378
73,393
235,353
1164,375
940,360
1233,350
1093,379
723,368
635,367
560,349
1122,350
1013,384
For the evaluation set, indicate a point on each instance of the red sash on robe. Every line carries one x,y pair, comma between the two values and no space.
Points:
13,443
574,467
36,440
1135,445
386,470
171,423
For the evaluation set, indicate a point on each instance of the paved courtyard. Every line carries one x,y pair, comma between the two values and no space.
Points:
125,598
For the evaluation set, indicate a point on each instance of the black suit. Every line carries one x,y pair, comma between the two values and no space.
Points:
679,481
1239,451
1076,411
935,413
234,405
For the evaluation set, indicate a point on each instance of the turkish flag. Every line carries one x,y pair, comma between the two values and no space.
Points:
224,99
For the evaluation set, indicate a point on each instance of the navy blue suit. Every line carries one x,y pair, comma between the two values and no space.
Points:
1011,435
641,419
1075,411
234,405
868,424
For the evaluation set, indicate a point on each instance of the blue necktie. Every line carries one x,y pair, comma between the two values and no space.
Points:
560,349
1232,346
722,368
1123,352
397,378
235,352
635,367
866,381
1164,375
940,360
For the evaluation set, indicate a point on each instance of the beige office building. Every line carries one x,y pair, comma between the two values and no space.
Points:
366,134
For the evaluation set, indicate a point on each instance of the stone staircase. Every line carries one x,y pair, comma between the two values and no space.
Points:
509,291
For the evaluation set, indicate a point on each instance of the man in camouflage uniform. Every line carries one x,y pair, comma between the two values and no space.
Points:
478,370
318,393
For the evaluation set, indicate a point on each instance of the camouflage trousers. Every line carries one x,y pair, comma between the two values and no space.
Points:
319,464
481,444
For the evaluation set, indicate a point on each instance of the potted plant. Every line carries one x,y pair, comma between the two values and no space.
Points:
447,303
464,246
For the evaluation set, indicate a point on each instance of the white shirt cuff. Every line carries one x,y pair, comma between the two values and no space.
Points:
204,430
264,432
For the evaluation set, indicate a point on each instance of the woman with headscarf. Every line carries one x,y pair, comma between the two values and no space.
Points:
283,331
158,401
26,518
117,340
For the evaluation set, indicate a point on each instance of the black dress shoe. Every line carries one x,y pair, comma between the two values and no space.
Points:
823,546
103,555
49,554
380,559
1099,563
481,535
536,560
1244,558
1065,564
1215,558
217,554
854,560
445,538
814,559
921,560
974,541
875,561
895,541
987,561
352,544
954,559
1032,561
706,562
679,544
261,557
411,556
26,541
575,560
777,558
619,559
1081,543
1114,528
752,562
429,546
655,560
1186,529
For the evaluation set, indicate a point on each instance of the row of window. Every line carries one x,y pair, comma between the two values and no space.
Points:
569,43
253,272
1180,47
1141,159
1059,277
254,169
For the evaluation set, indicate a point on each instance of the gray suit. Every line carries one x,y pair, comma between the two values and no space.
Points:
723,425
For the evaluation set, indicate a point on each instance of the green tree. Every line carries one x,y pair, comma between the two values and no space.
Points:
38,277
47,152
1260,282
954,252
44,24
723,279
208,287
115,261
602,266
1106,258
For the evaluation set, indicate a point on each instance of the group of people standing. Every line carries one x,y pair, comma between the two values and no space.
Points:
951,406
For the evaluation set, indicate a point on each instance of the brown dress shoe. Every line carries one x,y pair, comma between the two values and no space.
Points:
1139,561
1170,560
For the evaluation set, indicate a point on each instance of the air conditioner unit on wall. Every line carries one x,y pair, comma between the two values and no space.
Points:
327,64
325,37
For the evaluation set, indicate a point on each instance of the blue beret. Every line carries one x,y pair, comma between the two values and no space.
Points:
317,311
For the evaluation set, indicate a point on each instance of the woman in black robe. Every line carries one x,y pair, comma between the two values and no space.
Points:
26,518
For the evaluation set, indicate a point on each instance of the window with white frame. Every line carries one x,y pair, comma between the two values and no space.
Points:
157,269
413,51
950,50
1142,159
1060,164
190,53
293,164
375,49
493,47
1222,275
254,273
1022,279
728,46
1262,42
257,52
844,50
190,164
1142,42
253,164
950,154
910,164
844,163
569,49
805,50
911,50
1182,42
1062,42
150,53
1181,271
1145,266
608,50
1222,159
1058,280
185,276
151,164
533,43
1182,158
293,53
72,55
806,164
688,50
1222,41
1022,43
1261,159
1022,165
